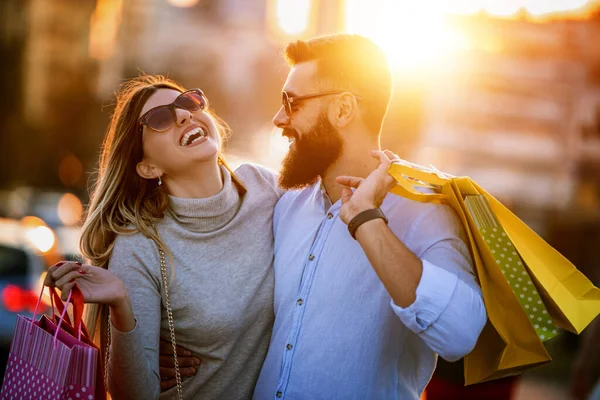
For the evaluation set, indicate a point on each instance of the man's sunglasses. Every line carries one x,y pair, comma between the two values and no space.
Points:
288,100
162,118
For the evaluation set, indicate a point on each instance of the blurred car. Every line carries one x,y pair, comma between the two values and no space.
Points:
27,249
60,211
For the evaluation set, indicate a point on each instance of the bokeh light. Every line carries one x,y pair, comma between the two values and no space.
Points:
104,27
41,237
38,234
293,15
183,3
70,209
70,170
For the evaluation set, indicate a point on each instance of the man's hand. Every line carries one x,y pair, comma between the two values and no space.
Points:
188,364
370,191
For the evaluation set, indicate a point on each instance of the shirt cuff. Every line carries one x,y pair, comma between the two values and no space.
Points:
434,292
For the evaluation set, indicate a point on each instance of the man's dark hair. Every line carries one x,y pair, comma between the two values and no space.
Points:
349,62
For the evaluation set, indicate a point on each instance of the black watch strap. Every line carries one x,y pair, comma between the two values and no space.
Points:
363,217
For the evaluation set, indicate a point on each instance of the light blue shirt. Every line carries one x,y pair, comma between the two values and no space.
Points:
337,332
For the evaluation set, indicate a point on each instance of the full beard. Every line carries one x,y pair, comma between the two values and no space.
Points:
311,155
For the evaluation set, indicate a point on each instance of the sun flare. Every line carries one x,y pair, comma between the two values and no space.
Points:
410,32
416,33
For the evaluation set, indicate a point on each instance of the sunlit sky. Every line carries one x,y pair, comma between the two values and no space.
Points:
413,32
410,31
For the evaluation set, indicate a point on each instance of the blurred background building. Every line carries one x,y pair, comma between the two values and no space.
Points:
506,91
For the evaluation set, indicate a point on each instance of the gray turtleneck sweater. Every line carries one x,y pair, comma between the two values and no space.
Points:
221,292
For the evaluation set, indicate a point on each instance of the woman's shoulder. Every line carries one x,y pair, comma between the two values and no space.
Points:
247,170
134,249
133,238
257,175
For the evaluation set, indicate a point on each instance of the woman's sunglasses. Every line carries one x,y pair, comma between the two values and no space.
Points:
162,118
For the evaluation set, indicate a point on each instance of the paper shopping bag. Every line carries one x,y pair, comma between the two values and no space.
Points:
512,267
509,342
47,362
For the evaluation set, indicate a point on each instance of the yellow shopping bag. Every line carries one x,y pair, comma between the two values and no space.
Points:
508,344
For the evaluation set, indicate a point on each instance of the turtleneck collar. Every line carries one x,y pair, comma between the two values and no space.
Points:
207,214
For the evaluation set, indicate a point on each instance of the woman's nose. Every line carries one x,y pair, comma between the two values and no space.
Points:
183,116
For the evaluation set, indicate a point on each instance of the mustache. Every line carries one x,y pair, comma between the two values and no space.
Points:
288,132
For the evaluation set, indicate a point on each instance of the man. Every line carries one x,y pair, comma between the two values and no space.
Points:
358,317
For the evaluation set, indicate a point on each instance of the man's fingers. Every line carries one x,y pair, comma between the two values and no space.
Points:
392,156
164,385
381,156
170,372
187,371
188,361
351,181
166,372
165,347
181,351
167,361
346,195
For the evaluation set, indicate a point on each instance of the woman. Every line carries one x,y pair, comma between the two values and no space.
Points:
163,184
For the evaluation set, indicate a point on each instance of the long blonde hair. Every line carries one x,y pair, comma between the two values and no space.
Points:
122,202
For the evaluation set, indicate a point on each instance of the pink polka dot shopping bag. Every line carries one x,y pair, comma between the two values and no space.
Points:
52,359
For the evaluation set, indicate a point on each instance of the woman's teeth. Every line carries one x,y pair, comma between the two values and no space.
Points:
192,136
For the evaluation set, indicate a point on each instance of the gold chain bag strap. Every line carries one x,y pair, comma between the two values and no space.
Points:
163,272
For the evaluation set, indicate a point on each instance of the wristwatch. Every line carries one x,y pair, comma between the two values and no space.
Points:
363,217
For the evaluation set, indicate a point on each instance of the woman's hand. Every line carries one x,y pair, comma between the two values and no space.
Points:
97,285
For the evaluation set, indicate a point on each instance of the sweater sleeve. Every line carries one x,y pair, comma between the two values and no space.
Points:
133,362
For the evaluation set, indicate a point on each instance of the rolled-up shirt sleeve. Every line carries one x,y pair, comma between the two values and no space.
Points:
448,312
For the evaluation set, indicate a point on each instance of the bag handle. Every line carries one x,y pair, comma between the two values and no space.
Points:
405,188
62,316
78,307
78,304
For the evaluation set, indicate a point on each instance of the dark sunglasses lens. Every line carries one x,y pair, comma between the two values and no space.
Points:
160,119
192,101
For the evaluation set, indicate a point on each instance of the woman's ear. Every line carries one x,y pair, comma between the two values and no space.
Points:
147,171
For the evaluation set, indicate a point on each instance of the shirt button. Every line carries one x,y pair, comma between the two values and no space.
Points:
299,302
329,215
311,257
289,346
278,394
